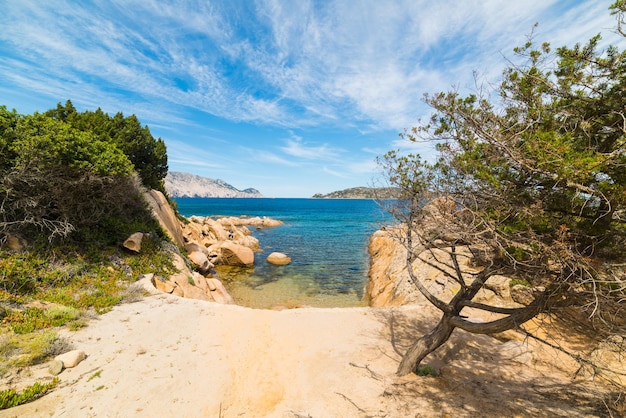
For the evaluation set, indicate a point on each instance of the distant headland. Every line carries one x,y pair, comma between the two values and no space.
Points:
361,193
180,184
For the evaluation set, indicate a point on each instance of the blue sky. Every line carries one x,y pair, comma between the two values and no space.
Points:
291,97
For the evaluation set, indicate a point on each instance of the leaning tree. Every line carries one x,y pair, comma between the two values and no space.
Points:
529,182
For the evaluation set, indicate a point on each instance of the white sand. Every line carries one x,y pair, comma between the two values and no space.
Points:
171,357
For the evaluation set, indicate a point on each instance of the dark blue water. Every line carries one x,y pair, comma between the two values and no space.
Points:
325,238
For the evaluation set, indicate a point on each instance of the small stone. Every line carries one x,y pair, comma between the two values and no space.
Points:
55,367
71,358
133,242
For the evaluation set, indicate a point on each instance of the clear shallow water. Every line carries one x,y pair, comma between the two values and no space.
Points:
325,238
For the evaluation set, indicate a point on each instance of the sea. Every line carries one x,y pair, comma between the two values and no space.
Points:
326,239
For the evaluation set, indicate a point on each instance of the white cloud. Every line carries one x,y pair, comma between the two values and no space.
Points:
296,147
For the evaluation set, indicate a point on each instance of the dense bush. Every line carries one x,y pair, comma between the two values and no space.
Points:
64,173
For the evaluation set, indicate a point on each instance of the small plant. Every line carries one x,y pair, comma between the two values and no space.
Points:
520,282
60,315
93,376
76,325
426,371
10,398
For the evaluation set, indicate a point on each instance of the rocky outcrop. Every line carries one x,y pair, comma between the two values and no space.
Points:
389,283
166,216
361,193
226,240
208,241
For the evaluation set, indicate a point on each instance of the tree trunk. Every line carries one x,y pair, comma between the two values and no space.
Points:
425,345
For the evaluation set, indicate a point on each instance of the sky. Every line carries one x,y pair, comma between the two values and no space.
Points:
291,97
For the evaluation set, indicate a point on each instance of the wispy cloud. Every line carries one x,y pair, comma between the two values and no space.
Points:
297,63
297,147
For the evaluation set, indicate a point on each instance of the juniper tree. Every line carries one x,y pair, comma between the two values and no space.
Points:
529,182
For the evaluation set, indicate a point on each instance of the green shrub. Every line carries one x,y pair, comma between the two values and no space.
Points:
20,350
10,398
521,282
426,371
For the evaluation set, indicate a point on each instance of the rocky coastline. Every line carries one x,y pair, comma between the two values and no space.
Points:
207,241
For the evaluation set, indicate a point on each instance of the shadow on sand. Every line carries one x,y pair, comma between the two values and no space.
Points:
480,376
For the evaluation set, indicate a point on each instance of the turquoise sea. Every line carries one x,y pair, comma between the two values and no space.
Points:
326,239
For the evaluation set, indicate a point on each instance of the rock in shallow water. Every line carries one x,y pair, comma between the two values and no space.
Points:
278,258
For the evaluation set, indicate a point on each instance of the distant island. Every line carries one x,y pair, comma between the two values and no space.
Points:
178,184
361,193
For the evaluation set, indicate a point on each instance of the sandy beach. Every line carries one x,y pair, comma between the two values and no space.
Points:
165,356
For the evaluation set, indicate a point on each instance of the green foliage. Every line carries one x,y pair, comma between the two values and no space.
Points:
147,154
545,167
20,350
529,178
71,188
521,282
71,175
32,319
426,370
10,398
28,320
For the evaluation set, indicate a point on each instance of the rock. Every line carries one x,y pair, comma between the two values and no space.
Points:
55,367
166,216
71,358
522,294
15,243
133,242
233,254
216,229
145,283
500,285
200,281
189,290
219,292
278,259
200,260
164,286
389,282
191,247
193,232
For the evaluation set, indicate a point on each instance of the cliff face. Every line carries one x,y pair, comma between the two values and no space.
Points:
180,184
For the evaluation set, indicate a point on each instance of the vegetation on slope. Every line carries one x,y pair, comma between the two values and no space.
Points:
70,192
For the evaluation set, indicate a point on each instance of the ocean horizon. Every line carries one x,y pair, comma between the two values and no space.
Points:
326,239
